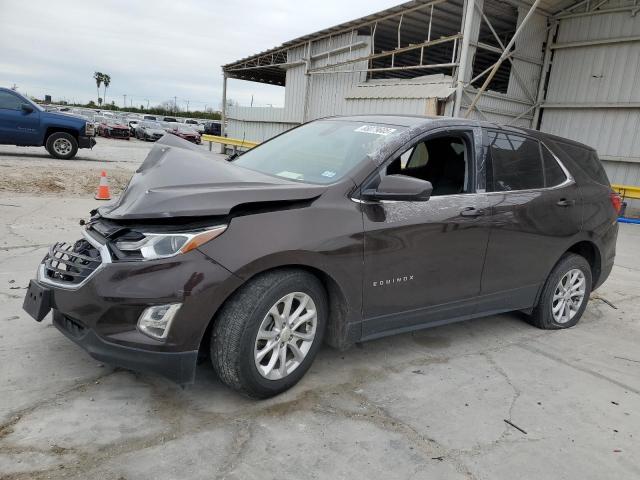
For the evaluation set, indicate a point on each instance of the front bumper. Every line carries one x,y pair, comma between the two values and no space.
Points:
179,367
86,142
101,313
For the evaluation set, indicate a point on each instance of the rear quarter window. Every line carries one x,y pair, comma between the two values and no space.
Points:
586,160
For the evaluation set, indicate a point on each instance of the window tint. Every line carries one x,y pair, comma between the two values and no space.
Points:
440,160
9,101
553,173
516,162
586,159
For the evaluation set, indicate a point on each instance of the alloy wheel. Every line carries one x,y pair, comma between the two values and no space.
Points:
285,336
568,296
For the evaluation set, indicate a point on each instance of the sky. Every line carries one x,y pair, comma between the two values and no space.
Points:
154,50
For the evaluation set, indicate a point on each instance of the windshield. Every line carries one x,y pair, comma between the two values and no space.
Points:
154,125
185,129
318,152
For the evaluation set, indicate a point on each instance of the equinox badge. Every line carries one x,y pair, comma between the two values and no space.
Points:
392,281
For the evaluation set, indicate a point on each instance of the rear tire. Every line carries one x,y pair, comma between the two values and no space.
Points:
565,294
62,145
256,328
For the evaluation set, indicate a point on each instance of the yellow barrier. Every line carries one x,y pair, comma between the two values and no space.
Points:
627,191
234,142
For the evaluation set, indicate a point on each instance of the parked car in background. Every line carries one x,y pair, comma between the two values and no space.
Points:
186,132
197,126
341,230
170,119
150,117
114,128
149,131
132,126
213,128
25,123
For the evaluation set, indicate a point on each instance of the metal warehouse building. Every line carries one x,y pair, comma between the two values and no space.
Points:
562,66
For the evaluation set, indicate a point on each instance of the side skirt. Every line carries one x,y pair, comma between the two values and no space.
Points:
522,298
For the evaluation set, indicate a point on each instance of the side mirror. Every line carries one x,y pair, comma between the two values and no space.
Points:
26,108
400,187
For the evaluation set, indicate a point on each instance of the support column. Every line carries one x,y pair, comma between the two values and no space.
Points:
307,84
470,32
546,63
223,113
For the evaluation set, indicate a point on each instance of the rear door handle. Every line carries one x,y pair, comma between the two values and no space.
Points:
472,212
565,203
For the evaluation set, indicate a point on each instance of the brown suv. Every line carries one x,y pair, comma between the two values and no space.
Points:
344,229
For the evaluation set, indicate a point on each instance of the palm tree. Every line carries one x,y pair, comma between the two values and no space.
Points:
98,77
106,80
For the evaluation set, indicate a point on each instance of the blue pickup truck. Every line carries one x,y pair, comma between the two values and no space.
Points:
26,124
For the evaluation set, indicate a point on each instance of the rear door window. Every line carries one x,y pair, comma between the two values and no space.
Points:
516,162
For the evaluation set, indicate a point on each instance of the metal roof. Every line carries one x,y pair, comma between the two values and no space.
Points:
430,86
447,17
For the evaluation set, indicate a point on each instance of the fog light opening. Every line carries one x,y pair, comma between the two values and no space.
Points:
155,321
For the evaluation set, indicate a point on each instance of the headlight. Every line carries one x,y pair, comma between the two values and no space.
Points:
163,245
89,129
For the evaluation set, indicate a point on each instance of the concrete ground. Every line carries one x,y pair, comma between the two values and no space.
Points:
432,404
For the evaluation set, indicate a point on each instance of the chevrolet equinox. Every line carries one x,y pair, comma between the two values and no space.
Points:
344,229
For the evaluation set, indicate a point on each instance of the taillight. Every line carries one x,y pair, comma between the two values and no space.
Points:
616,201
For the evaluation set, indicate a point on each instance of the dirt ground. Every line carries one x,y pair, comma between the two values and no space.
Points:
32,170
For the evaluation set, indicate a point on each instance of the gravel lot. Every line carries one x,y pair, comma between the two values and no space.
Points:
427,405
33,170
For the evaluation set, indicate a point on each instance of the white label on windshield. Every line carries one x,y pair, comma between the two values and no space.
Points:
293,175
375,129
329,174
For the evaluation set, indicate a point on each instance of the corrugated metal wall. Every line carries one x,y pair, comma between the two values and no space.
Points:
327,91
602,74
257,124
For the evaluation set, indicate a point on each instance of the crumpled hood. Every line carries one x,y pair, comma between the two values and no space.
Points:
179,179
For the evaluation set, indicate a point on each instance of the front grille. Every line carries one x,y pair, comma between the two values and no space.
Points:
119,133
71,263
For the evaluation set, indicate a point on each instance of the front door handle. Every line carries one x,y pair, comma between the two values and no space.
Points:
472,212
565,203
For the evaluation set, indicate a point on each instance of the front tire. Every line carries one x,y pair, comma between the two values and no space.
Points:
565,294
267,335
62,145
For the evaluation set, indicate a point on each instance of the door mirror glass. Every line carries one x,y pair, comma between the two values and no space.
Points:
400,187
26,108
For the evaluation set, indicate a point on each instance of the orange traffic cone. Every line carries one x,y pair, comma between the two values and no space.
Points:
103,188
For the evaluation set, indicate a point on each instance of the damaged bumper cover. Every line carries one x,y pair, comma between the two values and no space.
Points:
86,142
101,313
179,367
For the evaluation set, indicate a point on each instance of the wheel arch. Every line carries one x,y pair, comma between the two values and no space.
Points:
51,130
591,253
586,249
337,335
